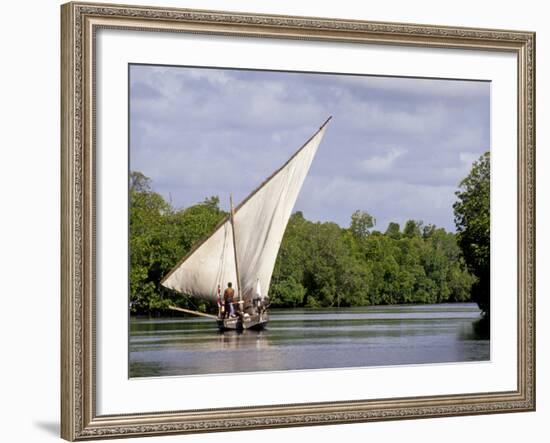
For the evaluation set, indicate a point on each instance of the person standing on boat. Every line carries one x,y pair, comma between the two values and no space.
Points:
228,300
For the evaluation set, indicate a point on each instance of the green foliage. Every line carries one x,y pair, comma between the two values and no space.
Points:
393,231
319,264
472,219
159,237
287,292
361,223
322,265
413,228
428,231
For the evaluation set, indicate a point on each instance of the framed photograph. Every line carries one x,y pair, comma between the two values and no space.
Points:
277,221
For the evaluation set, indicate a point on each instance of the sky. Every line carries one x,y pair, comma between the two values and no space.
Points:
396,147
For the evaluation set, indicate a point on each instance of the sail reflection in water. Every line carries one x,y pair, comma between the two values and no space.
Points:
310,339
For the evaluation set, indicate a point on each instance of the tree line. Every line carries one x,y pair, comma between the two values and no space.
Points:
323,264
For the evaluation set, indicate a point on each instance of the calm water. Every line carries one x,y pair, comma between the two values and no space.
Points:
309,339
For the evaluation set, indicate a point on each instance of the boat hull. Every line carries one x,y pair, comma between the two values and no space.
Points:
255,321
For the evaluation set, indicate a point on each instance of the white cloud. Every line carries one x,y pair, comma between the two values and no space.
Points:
410,86
396,147
382,163
388,201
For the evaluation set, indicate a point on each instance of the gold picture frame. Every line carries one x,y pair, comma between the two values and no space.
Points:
79,22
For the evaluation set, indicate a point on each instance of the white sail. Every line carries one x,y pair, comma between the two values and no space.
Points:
259,222
258,290
210,264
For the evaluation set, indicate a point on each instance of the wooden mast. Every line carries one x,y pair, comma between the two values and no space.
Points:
231,215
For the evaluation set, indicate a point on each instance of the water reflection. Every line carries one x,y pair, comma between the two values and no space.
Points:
482,329
239,339
311,338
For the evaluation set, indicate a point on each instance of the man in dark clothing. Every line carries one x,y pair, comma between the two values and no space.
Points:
228,300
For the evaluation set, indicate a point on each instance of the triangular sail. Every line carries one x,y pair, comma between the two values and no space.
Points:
260,222
210,264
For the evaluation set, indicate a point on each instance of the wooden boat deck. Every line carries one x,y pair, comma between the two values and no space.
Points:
254,321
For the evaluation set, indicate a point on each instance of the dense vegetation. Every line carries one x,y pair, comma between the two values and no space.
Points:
159,237
472,219
323,264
